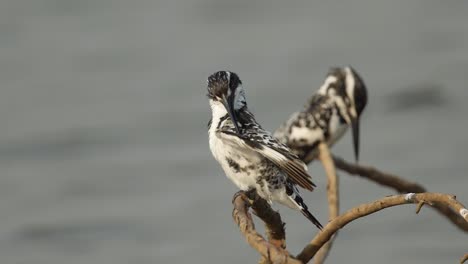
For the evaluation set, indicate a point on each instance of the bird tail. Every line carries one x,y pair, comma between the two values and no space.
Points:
305,211
312,218
293,200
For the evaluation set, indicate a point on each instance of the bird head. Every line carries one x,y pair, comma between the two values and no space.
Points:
226,87
349,93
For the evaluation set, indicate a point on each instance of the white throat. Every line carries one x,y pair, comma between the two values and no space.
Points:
217,112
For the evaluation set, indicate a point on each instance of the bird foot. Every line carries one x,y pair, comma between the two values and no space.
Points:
240,193
246,195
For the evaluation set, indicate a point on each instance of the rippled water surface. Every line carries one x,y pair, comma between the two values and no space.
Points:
103,147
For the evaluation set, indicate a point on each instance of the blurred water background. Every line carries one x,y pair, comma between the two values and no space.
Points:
104,154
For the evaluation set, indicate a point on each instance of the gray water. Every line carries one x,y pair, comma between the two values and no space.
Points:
103,147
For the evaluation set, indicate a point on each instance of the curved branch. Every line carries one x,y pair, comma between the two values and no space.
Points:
398,184
321,238
386,179
270,253
332,195
464,258
274,226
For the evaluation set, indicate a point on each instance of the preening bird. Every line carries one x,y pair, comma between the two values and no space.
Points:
338,104
250,156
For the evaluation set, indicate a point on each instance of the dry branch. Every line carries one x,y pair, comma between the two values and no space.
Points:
464,258
272,253
274,226
386,179
398,184
332,195
321,238
269,252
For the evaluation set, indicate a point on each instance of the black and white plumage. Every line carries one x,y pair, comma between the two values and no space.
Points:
250,156
338,104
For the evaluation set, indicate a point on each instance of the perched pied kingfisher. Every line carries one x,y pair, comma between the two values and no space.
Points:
326,117
250,156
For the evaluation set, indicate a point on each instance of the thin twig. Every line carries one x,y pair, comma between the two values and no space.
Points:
332,195
420,205
398,184
321,238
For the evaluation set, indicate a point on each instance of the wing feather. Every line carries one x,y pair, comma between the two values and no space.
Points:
279,154
256,138
293,167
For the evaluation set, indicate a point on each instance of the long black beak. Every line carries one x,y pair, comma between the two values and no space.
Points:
229,105
355,127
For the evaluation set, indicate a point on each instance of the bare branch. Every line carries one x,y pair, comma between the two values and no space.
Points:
386,179
320,239
269,252
273,224
398,184
464,258
332,195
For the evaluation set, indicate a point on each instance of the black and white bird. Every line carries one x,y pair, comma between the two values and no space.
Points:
338,104
250,156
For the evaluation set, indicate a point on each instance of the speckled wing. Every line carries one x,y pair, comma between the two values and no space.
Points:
287,162
304,130
261,141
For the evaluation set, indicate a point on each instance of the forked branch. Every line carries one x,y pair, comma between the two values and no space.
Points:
398,184
276,254
270,251
437,198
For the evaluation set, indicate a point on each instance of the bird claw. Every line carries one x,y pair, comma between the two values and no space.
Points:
248,196
239,193
251,194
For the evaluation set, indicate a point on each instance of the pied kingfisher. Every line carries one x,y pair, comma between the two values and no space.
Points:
326,117
250,156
